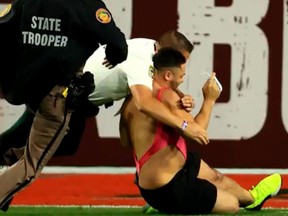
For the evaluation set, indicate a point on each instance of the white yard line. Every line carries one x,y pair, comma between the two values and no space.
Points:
131,170
128,170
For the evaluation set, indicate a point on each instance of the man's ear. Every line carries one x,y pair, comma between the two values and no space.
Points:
168,75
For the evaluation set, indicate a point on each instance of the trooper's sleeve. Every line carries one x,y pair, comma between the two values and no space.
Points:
95,18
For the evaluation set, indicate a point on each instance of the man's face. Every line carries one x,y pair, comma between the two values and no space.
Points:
177,76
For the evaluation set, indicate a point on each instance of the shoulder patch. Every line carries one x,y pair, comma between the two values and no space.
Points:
151,71
5,10
103,15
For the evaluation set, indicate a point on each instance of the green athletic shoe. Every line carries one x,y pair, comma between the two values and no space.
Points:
147,209
265,189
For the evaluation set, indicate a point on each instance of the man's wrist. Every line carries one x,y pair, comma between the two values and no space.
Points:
209,102
184,125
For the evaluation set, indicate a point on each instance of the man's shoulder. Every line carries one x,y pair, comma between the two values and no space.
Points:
170,96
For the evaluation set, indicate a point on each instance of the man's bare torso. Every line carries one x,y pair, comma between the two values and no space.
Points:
164,164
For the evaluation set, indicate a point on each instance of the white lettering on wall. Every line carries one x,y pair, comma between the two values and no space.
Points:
107,123
285,67
243,116
9,114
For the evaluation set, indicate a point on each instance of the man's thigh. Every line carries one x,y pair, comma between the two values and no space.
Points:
208,173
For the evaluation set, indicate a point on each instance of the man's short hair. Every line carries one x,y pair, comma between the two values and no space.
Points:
168,57
176,40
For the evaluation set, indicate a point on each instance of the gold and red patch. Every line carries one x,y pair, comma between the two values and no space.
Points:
5,11
103,15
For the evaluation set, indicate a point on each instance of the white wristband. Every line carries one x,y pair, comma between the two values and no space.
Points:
184,125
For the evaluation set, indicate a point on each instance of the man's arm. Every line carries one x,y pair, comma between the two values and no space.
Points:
203,117
172,101
147,104
211,93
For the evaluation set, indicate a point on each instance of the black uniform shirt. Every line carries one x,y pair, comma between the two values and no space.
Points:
55,38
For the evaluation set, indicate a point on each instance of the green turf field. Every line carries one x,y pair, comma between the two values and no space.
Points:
81,211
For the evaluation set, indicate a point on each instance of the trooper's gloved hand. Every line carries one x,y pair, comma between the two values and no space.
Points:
79,90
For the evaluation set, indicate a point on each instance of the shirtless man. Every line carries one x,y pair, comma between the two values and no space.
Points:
170,179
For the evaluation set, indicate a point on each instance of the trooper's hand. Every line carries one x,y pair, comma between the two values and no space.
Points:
188,102
107,64
79,89
197,133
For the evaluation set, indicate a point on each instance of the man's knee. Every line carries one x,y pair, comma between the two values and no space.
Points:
226,203
217,176
233,205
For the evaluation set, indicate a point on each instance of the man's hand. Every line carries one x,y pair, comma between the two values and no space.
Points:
197,133
210,89
188,102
